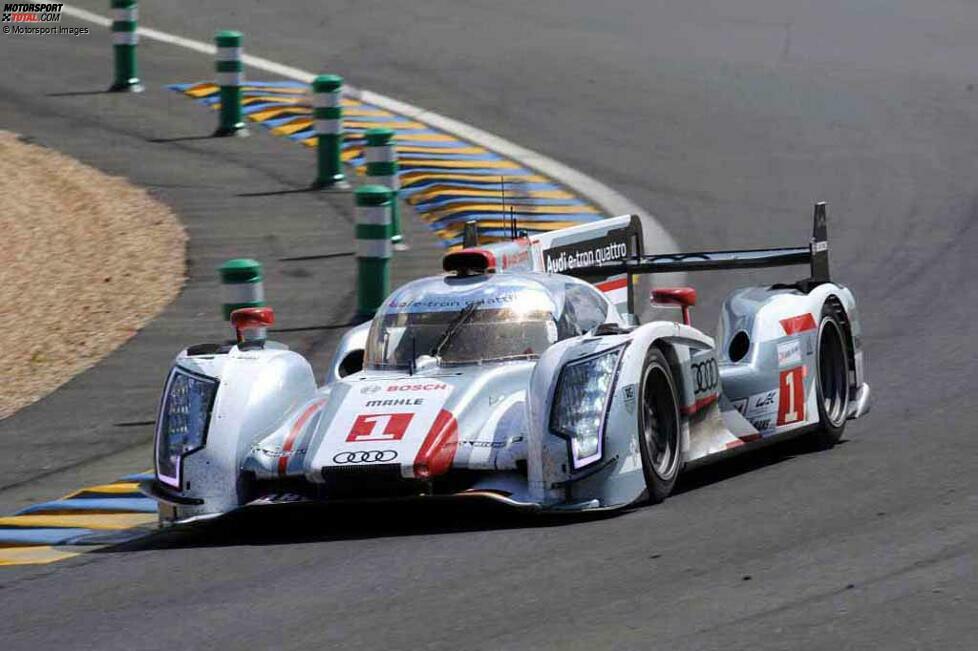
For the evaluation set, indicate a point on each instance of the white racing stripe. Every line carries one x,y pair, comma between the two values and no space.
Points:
125,38
229,53
374,215
243,293
657,239
374,248
126,14
326,126
325,100
229,78
385,154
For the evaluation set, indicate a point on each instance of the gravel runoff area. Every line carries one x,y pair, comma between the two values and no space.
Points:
87,260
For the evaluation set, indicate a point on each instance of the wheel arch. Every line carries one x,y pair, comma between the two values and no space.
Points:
834,306
677,352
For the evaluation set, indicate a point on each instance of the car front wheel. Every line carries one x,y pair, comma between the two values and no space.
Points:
659,430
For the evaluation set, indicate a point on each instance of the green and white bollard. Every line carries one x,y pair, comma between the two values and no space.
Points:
230,77
241,280
383,169
125,18
328,123
373,234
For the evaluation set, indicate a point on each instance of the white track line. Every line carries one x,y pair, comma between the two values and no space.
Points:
610,201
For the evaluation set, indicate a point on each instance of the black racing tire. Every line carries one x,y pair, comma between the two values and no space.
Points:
831,379
659,427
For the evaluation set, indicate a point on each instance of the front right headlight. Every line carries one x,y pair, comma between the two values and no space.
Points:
182,423
580,404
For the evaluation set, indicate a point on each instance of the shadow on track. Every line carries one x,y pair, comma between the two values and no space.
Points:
291,524
747,462
163,141
276,193
317,523
81,93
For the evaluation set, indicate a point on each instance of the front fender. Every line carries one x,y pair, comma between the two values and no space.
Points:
616,478
258,390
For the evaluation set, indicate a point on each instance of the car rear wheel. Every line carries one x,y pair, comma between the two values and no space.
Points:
832,381
659,431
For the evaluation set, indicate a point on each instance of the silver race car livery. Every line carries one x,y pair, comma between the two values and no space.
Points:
520,375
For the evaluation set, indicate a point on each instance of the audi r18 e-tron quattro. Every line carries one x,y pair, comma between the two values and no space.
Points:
522,375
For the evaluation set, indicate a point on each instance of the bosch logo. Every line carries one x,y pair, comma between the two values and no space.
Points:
364,456
432,386
706,375
370,389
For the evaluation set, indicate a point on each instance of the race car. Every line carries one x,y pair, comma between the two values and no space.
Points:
520,375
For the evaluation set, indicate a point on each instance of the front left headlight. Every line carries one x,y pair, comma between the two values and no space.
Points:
182,423
580,404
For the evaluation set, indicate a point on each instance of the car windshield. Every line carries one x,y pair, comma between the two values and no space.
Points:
490,321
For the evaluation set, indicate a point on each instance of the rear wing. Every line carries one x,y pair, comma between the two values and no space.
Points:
815,255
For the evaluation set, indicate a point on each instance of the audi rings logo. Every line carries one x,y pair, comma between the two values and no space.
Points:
707,375
364,456
370,389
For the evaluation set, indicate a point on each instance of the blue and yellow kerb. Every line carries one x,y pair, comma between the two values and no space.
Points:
447,180
89,518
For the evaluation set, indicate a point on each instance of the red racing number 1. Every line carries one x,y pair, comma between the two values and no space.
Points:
791,404
379,427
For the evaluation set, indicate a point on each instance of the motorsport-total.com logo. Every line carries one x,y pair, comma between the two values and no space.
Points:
36,18
32,12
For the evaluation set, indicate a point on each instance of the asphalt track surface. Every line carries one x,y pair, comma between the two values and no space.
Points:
726,120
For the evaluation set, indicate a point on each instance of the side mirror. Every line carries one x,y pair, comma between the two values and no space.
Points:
684,297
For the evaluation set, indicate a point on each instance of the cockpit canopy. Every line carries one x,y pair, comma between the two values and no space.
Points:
482,318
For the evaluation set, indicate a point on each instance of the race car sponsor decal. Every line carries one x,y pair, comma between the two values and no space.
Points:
393,417
364,456
759,404
789,353
791,403
395,402
705,378
423,387
762,425
762,404
587,253
629,394
759,409
706,375
513,255
482,300
481,444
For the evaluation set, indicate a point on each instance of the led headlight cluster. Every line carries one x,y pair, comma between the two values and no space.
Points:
580,404
182,424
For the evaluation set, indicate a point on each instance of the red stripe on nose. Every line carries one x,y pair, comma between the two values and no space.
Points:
283,460
438,450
